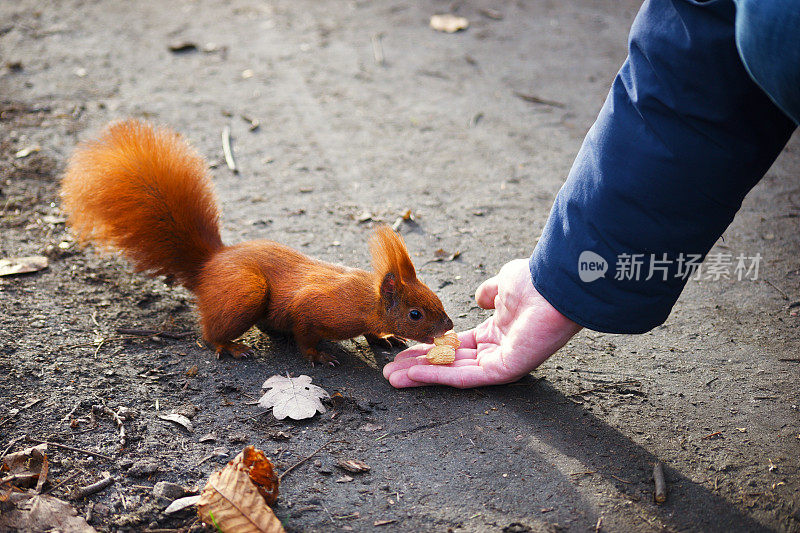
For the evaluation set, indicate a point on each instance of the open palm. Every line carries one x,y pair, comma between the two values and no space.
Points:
521,334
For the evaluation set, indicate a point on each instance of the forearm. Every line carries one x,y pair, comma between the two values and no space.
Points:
683,136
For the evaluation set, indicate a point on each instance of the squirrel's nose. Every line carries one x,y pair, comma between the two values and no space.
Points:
447,323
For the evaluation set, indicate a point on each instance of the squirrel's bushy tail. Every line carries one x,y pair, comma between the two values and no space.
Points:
144,191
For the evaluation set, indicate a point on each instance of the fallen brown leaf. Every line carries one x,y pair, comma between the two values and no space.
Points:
182,503
26,467
22,265
179,419
25,152
442,255
262,473
41,512
353,465
180,47
232,500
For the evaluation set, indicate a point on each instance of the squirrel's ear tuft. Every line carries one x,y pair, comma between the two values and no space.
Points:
389,255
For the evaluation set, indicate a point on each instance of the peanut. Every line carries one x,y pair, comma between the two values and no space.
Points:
441,355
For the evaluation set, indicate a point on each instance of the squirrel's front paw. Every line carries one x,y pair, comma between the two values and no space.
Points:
318,356
237,350
386,341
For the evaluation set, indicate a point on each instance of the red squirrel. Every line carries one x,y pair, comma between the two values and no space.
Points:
146,192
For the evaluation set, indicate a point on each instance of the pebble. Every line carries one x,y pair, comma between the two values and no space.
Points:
143,467
168,491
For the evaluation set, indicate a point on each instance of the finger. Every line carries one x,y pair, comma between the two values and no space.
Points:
467,339
461,377
414,351
486,293
403,364
463,356
400,380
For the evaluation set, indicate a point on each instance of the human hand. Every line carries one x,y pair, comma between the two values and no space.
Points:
522,333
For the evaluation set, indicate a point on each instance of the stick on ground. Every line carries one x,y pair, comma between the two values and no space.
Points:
88,490
227,150
108,412
70,448
301,461
660,493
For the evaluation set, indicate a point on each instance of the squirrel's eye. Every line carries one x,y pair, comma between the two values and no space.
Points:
415,314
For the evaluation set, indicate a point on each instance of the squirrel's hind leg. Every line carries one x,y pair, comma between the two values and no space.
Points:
230,305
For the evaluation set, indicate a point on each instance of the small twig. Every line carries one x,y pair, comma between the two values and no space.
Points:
660,493
70,448
619,479
377,48
63,481
154,333
5,206
99,345
533,99
227,150
599,524
106,411
712,435
72,412
301,461
88,490
328,513
251,417
785,296
10,445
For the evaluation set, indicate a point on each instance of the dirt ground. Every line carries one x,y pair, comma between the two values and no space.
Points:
438,128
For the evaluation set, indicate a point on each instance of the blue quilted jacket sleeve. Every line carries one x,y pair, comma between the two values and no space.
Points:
682,137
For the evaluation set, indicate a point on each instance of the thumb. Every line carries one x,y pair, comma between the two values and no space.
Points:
486,293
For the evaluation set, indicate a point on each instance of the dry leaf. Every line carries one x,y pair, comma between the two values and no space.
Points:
41,512
449,23
296,397
25,152
178,419
344,479
26,468
232,502
441,255
261,472
182,503
22,265
180,47
353,465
